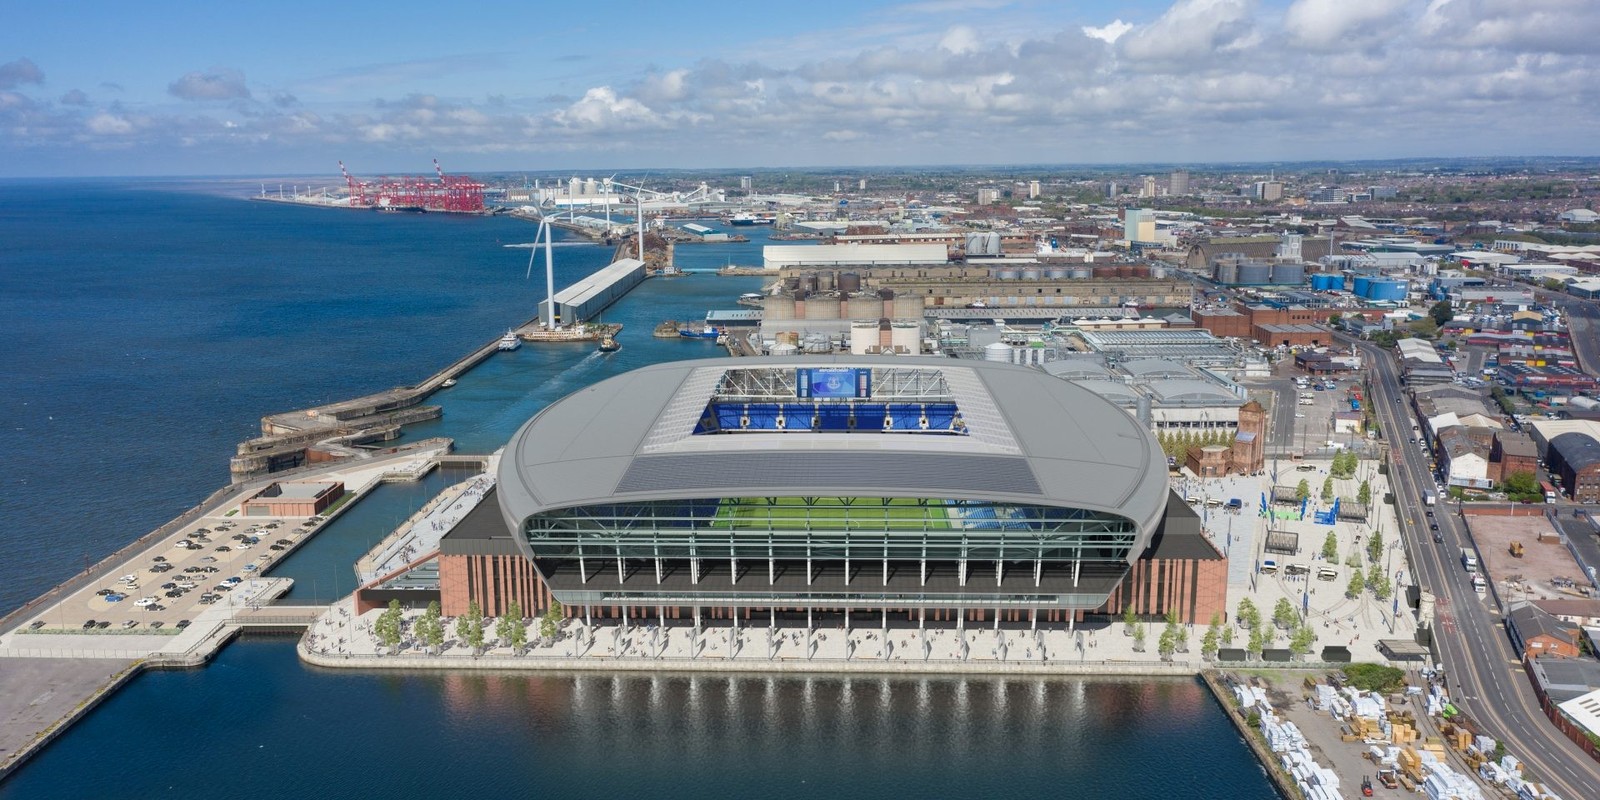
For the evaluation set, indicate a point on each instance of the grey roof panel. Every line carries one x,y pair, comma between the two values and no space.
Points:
1072,448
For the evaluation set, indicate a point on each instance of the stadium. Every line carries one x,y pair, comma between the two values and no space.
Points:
821,487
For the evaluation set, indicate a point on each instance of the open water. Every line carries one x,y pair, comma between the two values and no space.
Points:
148,326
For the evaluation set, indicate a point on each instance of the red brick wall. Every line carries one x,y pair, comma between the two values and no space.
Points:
493,581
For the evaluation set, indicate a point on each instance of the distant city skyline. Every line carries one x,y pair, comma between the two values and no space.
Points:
293,87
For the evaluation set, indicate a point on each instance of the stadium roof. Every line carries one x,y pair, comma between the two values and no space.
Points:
1033,439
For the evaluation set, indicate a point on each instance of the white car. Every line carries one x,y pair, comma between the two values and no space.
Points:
1299,416
145,601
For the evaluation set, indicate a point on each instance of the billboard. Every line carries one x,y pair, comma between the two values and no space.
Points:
822,383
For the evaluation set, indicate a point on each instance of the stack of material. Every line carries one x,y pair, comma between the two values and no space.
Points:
1384,756
1535,791
1402,733
1444,783
1367,704
1485,744
1328,700
1492,773
1281,737
1509,763
1316,782
1251,697
1437,698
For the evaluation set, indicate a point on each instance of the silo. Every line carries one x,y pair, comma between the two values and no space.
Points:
1394,290
1141,271
777,306
1327,282
907,306
1055,274
998,351
1158,273
784,349
1082,273
825,281
1227,272
906,336
1031,274
1006,275
1255,274
863,335
866,305
808,281
1288,274
1362,284
1105,272
822,306
849,282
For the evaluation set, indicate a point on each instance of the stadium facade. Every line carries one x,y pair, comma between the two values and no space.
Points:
818,488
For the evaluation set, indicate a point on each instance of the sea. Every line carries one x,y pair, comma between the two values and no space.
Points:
148,325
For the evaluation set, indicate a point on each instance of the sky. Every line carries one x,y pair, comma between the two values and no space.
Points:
202,88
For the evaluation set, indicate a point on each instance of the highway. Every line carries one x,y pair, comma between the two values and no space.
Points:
1486,678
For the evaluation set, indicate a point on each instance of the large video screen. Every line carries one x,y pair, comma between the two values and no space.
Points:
833,382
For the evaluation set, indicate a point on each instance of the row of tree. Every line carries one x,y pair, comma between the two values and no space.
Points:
511,629
1177,444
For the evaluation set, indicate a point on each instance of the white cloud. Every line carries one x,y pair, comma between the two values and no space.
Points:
218,84
105,124
1327,23
1109,32
601,108
1192,31
959,39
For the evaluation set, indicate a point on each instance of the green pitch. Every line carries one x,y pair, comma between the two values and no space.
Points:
830,513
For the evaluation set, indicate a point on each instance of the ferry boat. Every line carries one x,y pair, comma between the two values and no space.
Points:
745,218
608,344
509,341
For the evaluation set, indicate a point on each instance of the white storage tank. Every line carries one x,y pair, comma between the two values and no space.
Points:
908,306
822,306
997,351
906,337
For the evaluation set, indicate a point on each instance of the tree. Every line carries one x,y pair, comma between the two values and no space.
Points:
1353,561
469,626
1327,489
511,629
387,627
1425,328
430,628
1357,583
1364,494
1283,614
1300,643
1208,642
1258,641
1521,483
1334,319
1330,547
1129,620
1374,677
1138,637
1302,491
1248,615
549,624
1378,582
1441,312
1174,635
1167,644
1227,636
1375,547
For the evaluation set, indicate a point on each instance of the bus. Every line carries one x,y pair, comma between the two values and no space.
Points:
1549,491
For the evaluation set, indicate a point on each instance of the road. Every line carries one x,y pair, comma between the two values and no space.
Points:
1486,679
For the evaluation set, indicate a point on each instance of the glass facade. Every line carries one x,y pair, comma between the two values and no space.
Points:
833,528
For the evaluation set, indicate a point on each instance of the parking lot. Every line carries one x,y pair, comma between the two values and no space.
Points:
195,568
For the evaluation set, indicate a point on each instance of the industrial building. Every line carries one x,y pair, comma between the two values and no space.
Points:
829,488
293,499
594,292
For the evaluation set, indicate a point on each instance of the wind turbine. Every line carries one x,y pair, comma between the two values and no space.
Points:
547,235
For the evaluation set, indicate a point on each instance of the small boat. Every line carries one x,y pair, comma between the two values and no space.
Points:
608,344
509,341
708,332
448,382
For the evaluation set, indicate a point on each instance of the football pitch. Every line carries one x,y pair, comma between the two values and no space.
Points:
831,513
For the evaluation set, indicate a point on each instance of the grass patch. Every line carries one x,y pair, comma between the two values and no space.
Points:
832,514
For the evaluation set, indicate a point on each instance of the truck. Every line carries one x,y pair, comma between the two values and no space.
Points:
1428,499
1469,559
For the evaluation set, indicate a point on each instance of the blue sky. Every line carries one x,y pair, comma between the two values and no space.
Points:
103,88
